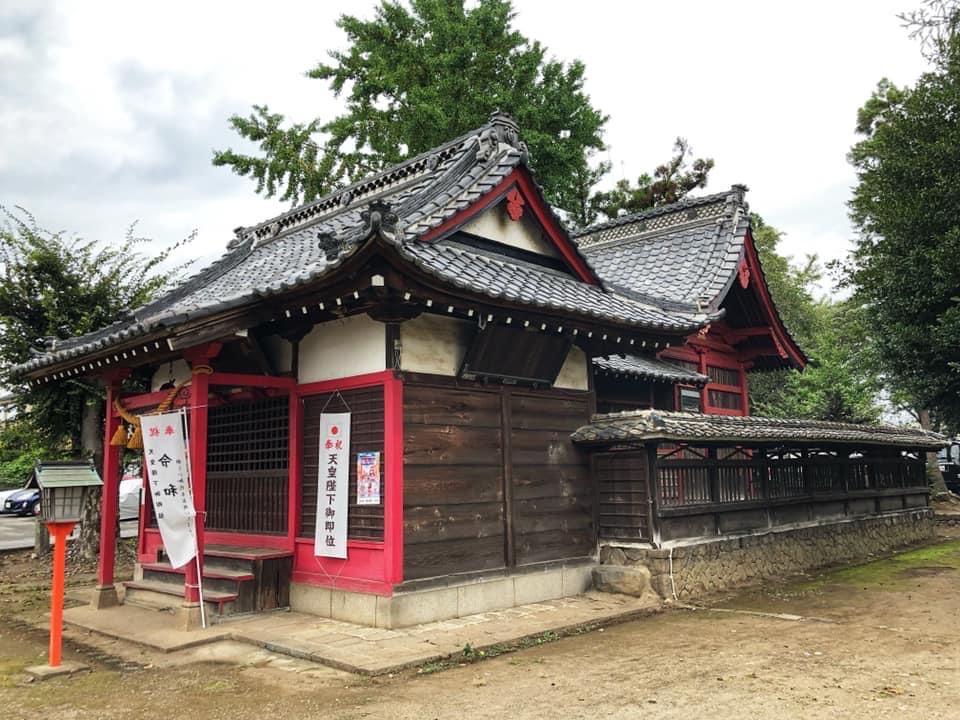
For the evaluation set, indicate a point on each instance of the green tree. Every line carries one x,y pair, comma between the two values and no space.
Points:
840,383
415,77
53,286
669,183
905,269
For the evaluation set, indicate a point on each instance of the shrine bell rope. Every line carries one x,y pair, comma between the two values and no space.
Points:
134,441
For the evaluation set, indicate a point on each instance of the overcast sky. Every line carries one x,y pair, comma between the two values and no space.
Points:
109,112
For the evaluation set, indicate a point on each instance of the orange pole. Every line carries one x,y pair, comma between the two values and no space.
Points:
60,532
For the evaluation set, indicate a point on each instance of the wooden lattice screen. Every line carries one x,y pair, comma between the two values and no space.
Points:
366,435
247,461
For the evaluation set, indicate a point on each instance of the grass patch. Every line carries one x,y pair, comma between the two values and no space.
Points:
10,670
894,571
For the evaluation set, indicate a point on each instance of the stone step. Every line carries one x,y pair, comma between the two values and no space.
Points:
168,597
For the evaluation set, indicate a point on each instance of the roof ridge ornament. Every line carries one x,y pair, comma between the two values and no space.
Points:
379,218
502,129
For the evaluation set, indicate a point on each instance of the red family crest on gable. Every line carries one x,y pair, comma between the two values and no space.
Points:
515,203
744,274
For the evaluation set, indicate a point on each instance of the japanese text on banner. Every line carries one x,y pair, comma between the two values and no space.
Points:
332,485
168,473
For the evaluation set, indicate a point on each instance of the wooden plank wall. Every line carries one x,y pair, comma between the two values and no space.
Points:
366,435
453,518
491,479
623,493
552,492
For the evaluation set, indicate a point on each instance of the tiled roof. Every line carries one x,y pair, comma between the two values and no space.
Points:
643,425
536,286
288,251
647,367
686,253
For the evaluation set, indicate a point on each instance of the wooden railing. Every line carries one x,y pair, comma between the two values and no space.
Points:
694,478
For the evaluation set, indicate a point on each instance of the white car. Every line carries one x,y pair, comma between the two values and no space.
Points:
130,488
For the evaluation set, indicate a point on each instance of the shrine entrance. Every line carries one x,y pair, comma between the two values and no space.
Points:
248,466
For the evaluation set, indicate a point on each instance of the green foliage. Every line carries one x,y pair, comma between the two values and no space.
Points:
19,452
53,286
906,266
841,382
670,182
415,77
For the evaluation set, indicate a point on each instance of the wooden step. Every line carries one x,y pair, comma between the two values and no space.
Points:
221,574
257,578
168,597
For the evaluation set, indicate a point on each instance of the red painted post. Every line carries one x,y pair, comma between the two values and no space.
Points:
393,480
199,397
110,497
294,463
744,390
60,532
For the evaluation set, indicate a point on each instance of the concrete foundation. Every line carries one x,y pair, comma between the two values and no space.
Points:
104,596
453,599
698,567
45,672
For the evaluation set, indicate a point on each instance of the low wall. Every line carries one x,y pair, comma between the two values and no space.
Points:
710,565
452,598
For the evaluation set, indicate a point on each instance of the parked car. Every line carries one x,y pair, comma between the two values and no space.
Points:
25,501
130,487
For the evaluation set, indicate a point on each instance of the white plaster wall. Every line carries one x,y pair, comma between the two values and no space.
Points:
573,373
434,344
342,348
279,352
181,373
525,233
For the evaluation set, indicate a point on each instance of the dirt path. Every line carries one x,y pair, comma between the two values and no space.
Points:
885,643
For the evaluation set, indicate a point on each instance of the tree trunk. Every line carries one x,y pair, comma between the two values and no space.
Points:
91,433
937,484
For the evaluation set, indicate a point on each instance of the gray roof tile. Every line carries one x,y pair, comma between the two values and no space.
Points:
687,252
643,425
647,367
284,253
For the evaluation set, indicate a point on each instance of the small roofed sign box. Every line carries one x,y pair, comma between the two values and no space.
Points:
63,486
330,539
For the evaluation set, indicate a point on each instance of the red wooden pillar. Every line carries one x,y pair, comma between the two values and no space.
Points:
702,369
294,463
393,480
105,594
199,396
744,390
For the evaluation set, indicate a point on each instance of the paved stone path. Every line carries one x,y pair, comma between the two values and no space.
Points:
362,649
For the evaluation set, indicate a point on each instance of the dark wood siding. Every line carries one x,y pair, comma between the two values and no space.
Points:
366,435
623,492
552,492
491,479
453,482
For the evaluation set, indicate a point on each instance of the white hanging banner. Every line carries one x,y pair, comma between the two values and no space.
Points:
168,472
333,486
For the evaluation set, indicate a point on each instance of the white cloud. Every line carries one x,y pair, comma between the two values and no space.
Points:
111,110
